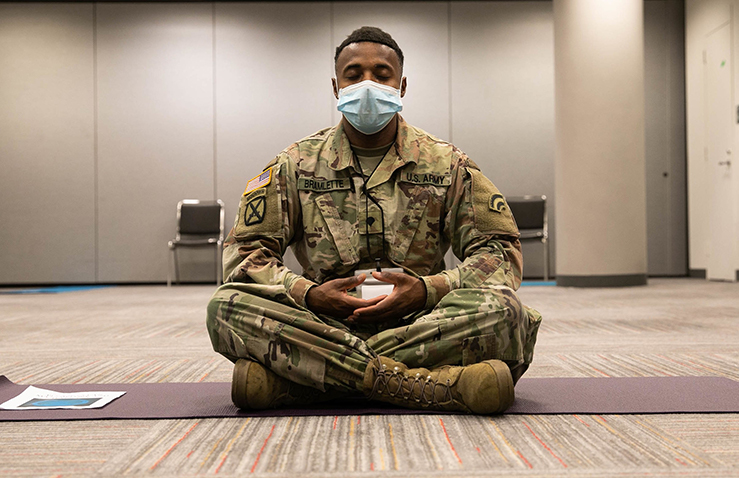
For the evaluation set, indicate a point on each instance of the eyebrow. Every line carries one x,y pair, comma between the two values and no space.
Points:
375,66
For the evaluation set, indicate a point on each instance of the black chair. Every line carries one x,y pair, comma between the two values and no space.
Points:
531,216
199,224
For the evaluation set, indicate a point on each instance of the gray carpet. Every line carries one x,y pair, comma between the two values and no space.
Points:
673,327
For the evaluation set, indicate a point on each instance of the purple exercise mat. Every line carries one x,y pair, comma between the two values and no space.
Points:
534,396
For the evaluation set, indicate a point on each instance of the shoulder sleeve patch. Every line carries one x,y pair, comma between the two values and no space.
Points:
492,213
259,181
497,203
260,212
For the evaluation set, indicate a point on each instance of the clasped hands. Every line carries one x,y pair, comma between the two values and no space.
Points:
331,298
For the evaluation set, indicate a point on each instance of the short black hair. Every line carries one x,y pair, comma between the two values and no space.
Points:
373,35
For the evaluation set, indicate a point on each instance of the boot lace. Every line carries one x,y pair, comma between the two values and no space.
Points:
419,389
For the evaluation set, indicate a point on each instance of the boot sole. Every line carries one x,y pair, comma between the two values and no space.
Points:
506,393
238,383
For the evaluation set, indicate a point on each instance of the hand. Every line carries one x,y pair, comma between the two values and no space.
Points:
408,296
330,298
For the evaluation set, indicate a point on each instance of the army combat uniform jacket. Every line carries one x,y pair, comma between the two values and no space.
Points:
313,197
431,194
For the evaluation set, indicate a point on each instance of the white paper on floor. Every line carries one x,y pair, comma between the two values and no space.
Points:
33,398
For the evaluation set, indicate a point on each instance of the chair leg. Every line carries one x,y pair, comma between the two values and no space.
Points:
169,267
176,267
546,260
218,266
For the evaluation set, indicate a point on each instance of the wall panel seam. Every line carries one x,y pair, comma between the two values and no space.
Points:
449,67
95,138
215,117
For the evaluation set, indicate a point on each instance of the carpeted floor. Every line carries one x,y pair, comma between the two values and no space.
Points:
153,334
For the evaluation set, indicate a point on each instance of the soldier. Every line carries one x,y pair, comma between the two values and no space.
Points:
373,192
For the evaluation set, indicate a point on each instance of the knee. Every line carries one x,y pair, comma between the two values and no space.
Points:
513,305
223,323
504,301
223,303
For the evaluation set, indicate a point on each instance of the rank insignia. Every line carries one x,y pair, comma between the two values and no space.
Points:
497,203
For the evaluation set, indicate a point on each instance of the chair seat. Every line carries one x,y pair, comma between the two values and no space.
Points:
193,242
532,234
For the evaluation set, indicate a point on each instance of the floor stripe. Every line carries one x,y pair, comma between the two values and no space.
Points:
679,450
392,447
508,444
496,446
162,439
230,444
581,421
215,446
264,445
352,464
544,444
431,444
169,450
449,441
524,459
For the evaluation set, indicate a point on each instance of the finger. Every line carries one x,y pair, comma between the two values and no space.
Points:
356,303
347,282
373,318
388,277
378,308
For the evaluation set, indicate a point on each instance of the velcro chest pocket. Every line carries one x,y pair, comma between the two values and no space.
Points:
411,221
326,231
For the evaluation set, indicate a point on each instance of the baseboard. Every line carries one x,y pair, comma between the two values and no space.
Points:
699,273
621,280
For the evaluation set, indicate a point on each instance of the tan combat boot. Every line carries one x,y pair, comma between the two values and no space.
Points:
255,387
482,388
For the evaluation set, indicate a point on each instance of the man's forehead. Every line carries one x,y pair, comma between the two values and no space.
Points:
356,52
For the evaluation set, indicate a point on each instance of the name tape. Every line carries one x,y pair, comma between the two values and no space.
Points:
428,178
322,185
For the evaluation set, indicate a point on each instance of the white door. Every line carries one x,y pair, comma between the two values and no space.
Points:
719,141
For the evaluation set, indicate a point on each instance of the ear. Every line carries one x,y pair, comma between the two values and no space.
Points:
403,86
335,88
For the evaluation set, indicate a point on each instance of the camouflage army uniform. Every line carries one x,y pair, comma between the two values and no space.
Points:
310,197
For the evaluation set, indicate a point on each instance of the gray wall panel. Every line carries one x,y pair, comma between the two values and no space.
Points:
273,83
47,200
503,99
155,89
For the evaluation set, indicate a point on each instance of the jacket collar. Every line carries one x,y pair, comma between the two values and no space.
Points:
406,151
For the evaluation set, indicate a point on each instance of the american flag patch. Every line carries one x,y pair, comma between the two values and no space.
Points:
259,181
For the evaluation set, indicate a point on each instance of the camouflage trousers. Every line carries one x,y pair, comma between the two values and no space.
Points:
263,323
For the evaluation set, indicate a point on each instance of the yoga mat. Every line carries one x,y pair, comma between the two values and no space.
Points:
640,395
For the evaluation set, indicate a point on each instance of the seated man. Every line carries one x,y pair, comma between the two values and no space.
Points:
373,192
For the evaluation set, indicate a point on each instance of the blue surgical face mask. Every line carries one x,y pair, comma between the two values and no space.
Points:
369,106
